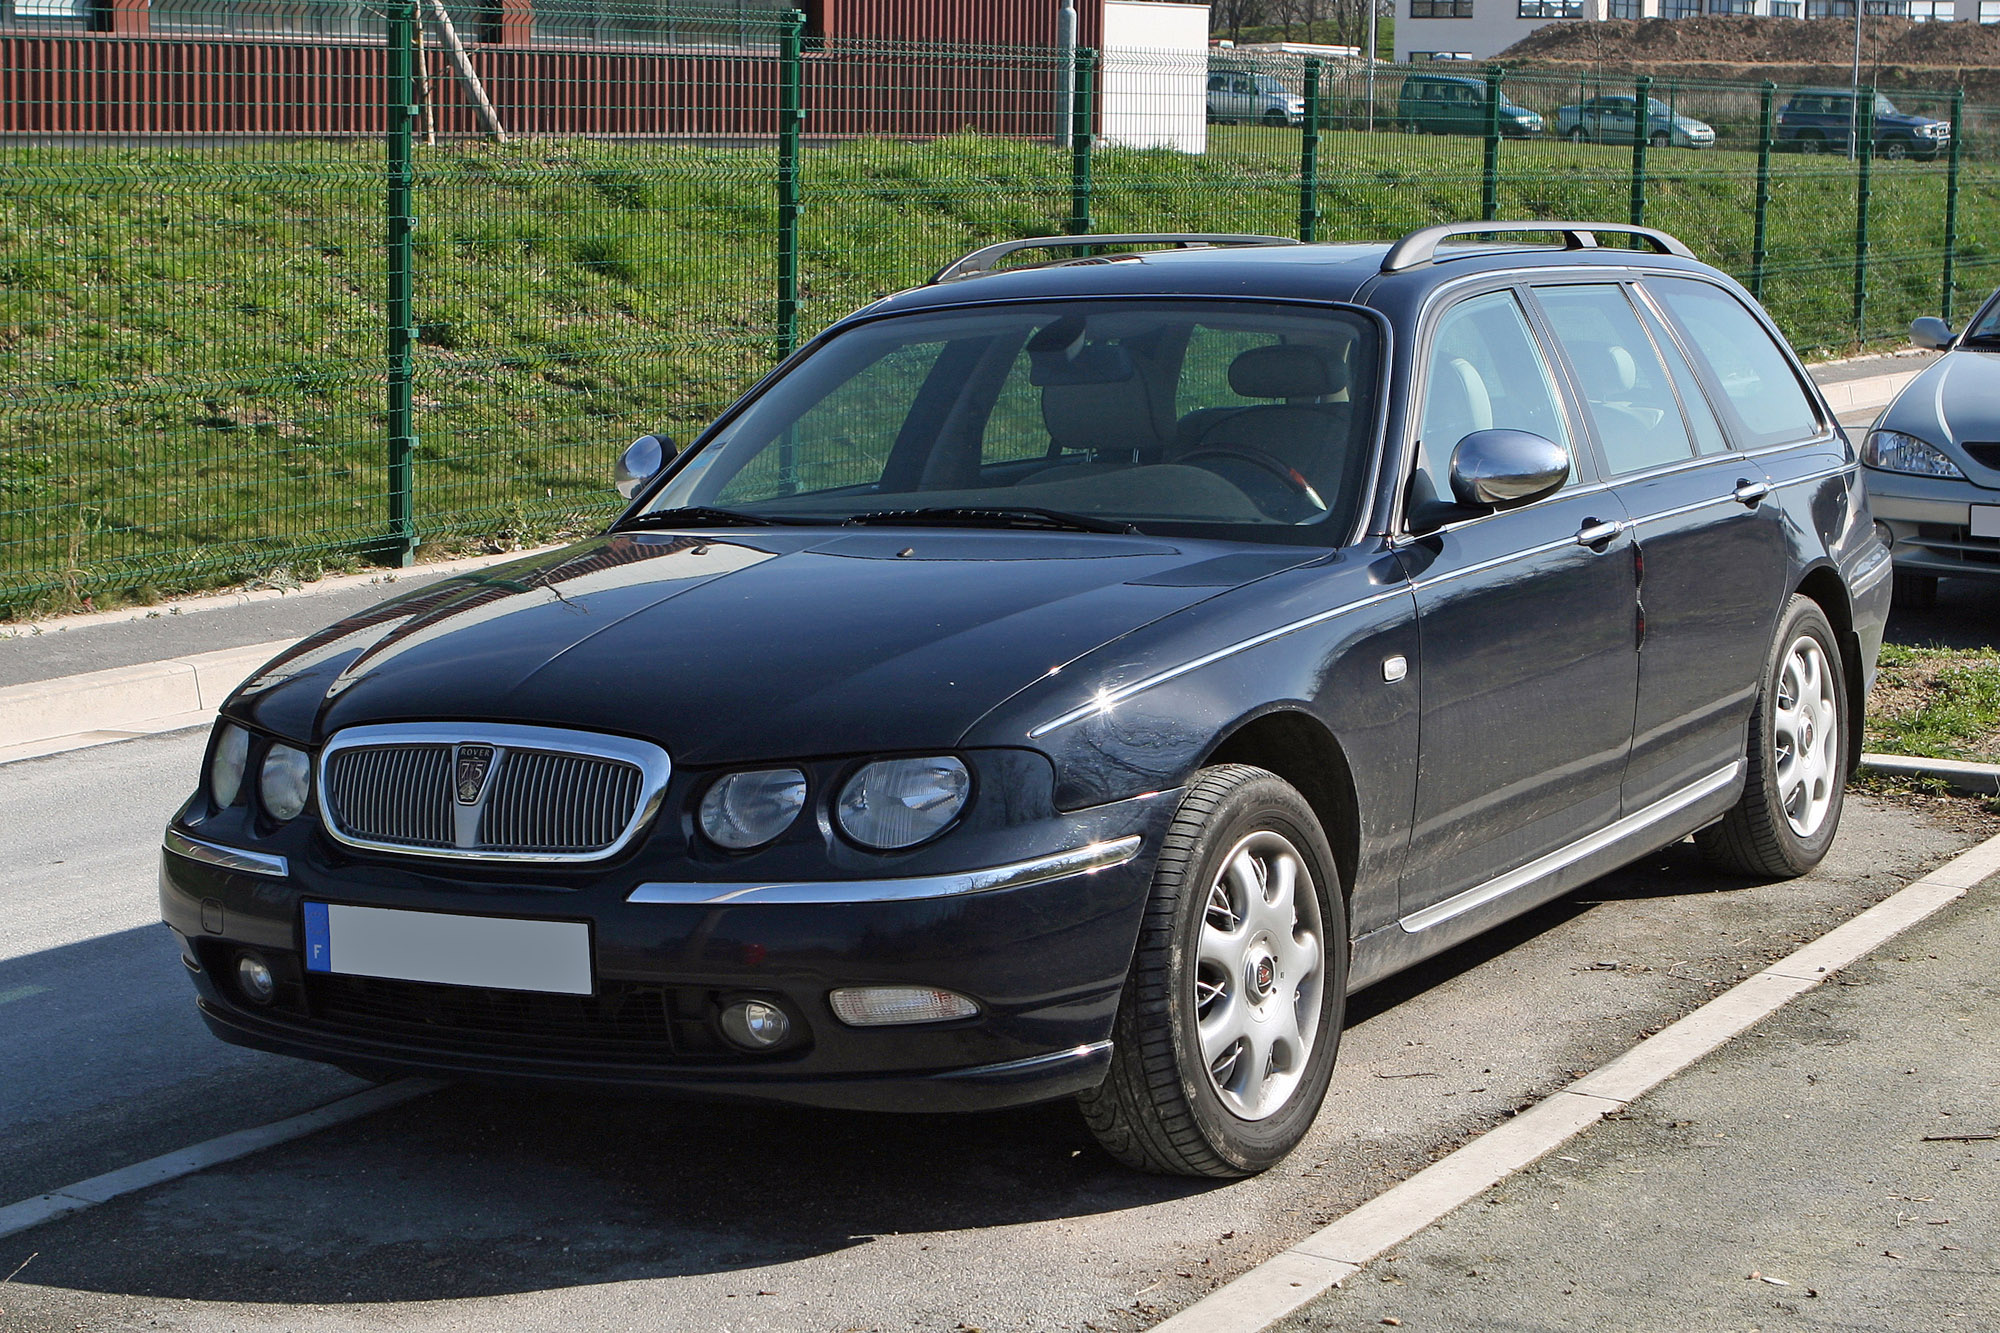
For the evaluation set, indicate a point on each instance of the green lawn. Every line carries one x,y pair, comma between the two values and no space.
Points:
192,340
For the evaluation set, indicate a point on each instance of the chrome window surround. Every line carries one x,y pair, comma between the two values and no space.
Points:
226,858
1061,865
654,768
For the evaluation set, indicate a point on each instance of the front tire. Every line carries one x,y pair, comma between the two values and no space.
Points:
1231,1016
1661,139
1790,808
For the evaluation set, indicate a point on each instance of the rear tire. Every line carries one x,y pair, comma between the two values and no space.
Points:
1797,760
1231,1016
1576,134
1661,139
1913,592
1811,143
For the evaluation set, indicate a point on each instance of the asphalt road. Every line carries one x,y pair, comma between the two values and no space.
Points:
468,1209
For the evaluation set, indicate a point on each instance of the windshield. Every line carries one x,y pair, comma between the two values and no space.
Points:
1884,107
1985,326
1159,414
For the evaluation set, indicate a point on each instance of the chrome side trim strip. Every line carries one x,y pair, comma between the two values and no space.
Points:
828,893
1110,699
226,858
1564,857
1033,1064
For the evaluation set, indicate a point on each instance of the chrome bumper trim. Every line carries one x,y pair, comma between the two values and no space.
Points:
227,858
1078,861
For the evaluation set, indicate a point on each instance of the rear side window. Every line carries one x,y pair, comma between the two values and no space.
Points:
1758,386
1624,385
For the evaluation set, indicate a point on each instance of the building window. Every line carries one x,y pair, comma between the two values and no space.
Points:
1933,11
1989,11
1681,9
660,22
1440,9
1551,9
1625,9
1829,9
1887,8
1784,9
1731,7
46,13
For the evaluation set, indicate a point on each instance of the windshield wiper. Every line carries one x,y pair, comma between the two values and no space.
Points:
1055,520
707,516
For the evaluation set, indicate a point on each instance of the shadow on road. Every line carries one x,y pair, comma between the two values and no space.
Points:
1967,615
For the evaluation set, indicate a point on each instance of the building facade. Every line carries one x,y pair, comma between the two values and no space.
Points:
1481,29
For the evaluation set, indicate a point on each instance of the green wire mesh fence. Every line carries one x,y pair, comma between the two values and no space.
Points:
291,283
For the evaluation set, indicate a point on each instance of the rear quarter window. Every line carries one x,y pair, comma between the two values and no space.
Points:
1761,395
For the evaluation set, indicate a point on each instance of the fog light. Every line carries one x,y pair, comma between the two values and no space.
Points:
876,1006
755,1025
254,979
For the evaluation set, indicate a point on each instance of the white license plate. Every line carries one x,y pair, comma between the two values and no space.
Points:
1986,520
500,953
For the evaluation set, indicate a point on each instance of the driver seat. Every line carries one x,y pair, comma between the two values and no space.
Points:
1303,432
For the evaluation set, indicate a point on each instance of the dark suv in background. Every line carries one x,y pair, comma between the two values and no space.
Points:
1819,120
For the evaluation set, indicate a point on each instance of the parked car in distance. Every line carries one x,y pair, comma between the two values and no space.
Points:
1613,119
1821,120
1245,96
1933,460
1456,104
1069,680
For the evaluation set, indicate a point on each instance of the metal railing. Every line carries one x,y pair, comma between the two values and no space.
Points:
277,299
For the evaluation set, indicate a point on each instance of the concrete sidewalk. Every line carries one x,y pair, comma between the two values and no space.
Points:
1835,1168
84,680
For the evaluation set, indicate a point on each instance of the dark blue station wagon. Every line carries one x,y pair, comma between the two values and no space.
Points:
1071,679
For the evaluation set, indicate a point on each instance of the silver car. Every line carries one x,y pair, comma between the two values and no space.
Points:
1933,460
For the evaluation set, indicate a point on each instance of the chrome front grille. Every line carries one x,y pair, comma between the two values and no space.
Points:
489,792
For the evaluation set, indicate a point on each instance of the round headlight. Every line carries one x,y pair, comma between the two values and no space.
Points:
286,777
747,810
225,770
896,803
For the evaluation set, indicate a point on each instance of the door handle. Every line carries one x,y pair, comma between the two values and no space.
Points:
1595,533
1750,492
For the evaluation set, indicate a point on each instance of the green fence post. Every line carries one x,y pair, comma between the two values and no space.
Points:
1864,147
1309,157
1641,133
1673,111
1759,244
402,117
1489,193
791,116
1080,138
1951,203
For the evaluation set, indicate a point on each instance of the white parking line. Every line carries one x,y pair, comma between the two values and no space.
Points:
186,1161
1320,1262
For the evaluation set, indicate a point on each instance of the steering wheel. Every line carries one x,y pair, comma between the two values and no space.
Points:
1293,501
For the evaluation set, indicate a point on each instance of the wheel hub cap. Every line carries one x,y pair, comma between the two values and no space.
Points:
1805,736
1259,975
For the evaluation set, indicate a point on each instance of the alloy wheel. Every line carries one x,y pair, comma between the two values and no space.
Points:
1805,736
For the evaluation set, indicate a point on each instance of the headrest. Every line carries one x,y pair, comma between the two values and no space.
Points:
1605,369
1286,371
1058,354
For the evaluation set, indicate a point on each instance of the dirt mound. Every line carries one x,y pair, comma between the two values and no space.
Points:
1761,41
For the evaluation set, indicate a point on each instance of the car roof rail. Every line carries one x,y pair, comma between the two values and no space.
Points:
1421,246
982,260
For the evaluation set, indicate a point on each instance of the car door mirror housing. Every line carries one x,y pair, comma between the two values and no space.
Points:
1500,468
641,462
1930,332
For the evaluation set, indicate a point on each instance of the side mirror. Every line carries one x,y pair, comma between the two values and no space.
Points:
1930,332
1503,468
641,462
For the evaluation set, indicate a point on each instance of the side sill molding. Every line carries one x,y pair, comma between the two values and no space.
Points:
1564,857
1078,861
227,858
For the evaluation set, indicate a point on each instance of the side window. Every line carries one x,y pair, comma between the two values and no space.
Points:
1485,370
1759,389
1708,436
1218,83
1624,384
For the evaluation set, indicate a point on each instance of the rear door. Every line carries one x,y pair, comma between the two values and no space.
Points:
1528,673
1711,552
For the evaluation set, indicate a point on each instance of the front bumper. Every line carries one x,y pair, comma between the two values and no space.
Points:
1929,522
1045,955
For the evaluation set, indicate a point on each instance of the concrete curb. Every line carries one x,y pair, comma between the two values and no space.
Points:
1962,776
48,716
1334,1253
1874,391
